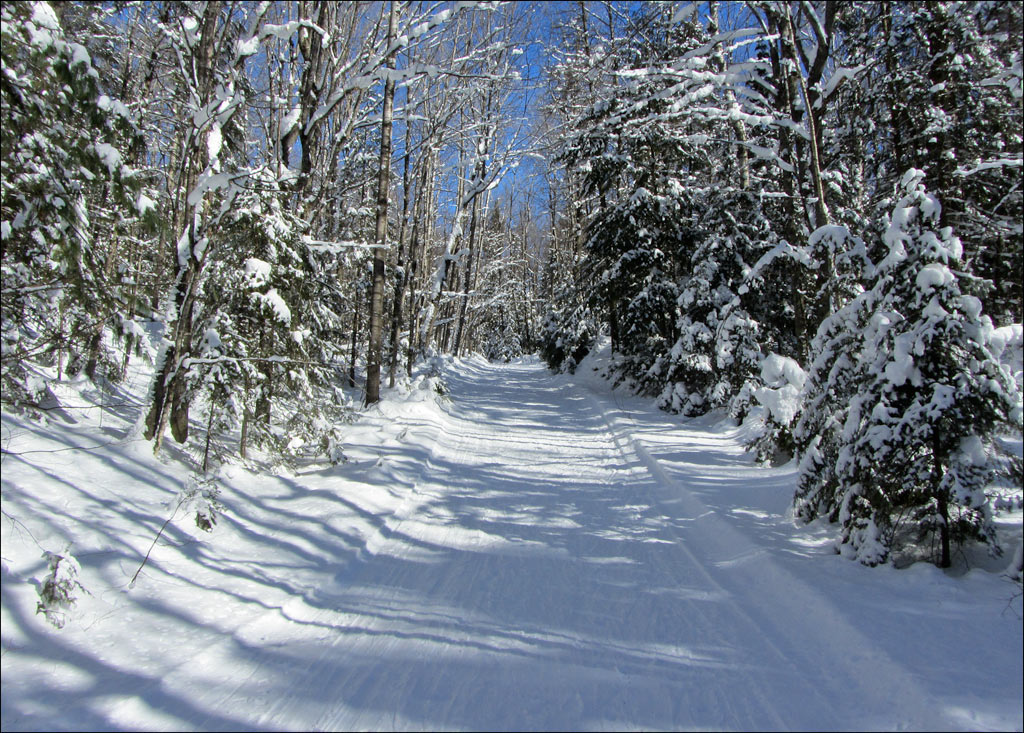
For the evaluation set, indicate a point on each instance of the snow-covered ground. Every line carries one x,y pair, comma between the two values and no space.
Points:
532,551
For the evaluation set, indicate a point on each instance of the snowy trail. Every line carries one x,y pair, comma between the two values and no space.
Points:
540,575
536,553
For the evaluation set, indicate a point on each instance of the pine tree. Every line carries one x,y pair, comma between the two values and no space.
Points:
719,347
65,182
916,449
955,100
641,155
831,382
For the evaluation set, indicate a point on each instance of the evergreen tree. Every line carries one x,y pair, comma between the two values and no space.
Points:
640,154
955,99
831,381
916,449
720,340
65,183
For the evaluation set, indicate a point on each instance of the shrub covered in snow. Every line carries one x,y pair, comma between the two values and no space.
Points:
58,590
780,397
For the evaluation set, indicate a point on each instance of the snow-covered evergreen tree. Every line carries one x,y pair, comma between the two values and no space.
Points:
640,154
568,333
64,168
831,380
916,448
954,90
720,340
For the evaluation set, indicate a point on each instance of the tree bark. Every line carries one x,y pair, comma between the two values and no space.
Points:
467,279
170,399
373,356
402,265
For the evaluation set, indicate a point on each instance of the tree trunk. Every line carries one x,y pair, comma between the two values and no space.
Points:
243,438
820,209
179,410
402,265
613,324
467,280
415,300
165,390
355,345
718,55
373,356
939,459
169,396
944,560
93,350
179,393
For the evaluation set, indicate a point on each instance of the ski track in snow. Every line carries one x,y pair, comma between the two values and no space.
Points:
555,595
549,565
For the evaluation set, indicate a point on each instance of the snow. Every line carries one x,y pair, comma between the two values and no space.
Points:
41,39
783,403
80,55
769,155
208,181
1007,344
184,248
109,155
248,47
784,379
523,551
277,305
43,15
991,164
211,340
257,271
840,75
130,327
683,13
900,367
832,232
931,208
912,177
971,306
214,141
778,370
144,204
282,32
291,120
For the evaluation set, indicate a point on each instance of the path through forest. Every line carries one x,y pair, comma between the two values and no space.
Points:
553,557
545,572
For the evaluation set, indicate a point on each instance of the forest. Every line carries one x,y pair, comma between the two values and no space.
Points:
571,365
812,208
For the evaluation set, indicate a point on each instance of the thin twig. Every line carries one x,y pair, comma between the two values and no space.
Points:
15,520
131,584
59,450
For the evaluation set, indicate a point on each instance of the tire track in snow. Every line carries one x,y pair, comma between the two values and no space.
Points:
616,627
624,655
291,709
626,449
860,668
261,664
576,654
